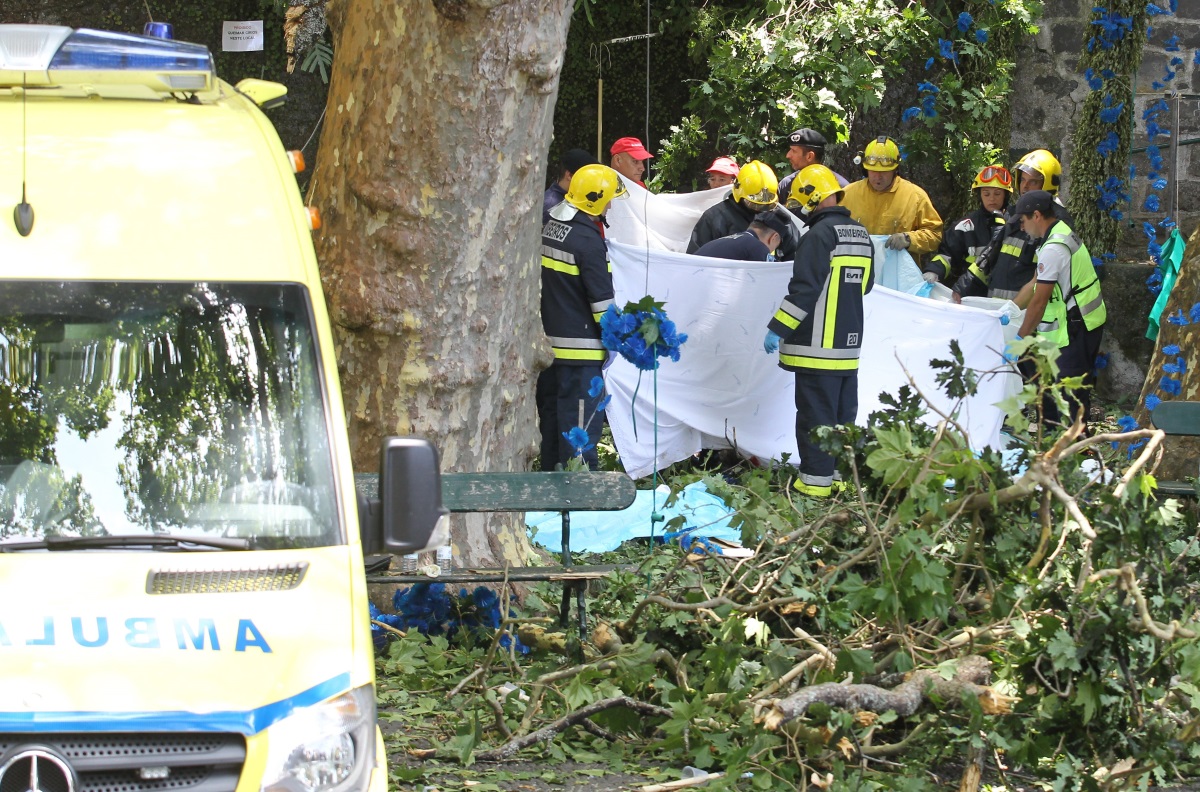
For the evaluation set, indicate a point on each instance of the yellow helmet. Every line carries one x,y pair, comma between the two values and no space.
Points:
1044,164
593,187
757,186
811,186
993,176
882,154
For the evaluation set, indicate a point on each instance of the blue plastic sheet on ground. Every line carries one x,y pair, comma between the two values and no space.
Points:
601,531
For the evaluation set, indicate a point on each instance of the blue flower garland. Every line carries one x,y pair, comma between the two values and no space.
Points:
430,609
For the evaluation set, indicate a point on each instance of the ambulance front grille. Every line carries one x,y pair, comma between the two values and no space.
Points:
226,581
140,762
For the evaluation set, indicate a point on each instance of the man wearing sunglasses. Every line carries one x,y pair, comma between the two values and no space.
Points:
892,206
970,236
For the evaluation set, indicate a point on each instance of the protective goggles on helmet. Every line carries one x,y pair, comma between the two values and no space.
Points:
881,160
994,173
763,197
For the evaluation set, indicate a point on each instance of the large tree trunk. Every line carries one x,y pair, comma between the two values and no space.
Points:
429,178
1180,453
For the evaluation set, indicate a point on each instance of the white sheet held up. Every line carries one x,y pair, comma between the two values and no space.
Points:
726,391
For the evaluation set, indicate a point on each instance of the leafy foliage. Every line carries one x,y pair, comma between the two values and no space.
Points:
1077,585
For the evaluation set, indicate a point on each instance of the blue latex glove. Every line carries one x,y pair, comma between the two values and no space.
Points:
1009,355
771,343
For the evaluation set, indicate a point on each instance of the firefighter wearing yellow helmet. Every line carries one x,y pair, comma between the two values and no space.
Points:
754,190
818,328
577,289
967,239
890,205
1007,268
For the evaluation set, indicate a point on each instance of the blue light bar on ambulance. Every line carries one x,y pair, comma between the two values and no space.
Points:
100,57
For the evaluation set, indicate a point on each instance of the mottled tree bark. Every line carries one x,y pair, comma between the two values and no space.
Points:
1180,453
429,179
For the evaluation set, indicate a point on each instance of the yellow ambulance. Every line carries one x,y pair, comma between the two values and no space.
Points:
182,598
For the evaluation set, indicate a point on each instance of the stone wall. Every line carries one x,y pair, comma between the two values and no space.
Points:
1048,94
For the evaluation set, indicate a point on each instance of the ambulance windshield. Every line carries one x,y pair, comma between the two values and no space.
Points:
163,408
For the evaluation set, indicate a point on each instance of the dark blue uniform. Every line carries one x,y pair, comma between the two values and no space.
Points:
577,289
820,323
742,246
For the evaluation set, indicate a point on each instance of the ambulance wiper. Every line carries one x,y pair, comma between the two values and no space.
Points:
135,540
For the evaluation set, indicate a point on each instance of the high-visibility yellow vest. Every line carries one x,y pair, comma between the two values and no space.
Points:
1085,289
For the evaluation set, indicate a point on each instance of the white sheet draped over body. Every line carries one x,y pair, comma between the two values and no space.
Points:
725,390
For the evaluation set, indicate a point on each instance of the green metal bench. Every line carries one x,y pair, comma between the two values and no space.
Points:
563,492
1181,419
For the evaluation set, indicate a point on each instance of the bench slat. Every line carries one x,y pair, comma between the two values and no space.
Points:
558,491
513,574
514,492
1177,417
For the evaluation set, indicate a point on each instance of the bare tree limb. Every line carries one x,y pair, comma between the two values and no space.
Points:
547,733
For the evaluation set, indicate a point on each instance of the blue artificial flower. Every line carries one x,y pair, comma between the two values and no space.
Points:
1109,144
1167,223
1134,447
910,114
946,50
965,21
1171,349
1155,251
1153,10
1171,368
1094,82
1151,203
1116,214
1155,277
1194,314
1097,261
1155,109
1152,401
1178,318
929,64
596,387
1155,156
928,108
1127,424
1148,230
1176,61
1172,44
1153,131
928,87
1171,386
1159,184
1196,58
578,439
1157,86
1110,113
1101,362
981,35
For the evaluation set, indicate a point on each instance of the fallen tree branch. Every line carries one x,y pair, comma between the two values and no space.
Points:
970,678
547,733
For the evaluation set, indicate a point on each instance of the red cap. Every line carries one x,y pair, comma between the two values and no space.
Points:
725,165
631,146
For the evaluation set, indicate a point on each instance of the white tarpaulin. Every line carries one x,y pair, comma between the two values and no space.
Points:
725,390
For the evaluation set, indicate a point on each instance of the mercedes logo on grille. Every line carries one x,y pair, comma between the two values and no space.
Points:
36,770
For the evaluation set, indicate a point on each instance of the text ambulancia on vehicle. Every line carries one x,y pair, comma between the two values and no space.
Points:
182,597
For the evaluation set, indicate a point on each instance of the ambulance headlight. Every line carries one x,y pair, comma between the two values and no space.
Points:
324,748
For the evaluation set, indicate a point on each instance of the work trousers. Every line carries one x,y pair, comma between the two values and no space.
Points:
561,390
1077,359
822,400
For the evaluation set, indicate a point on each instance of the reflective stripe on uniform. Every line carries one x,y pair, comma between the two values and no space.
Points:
602,306
559,266
559,255
577,343
1004,294
790,315
579,354
978,273
818,363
